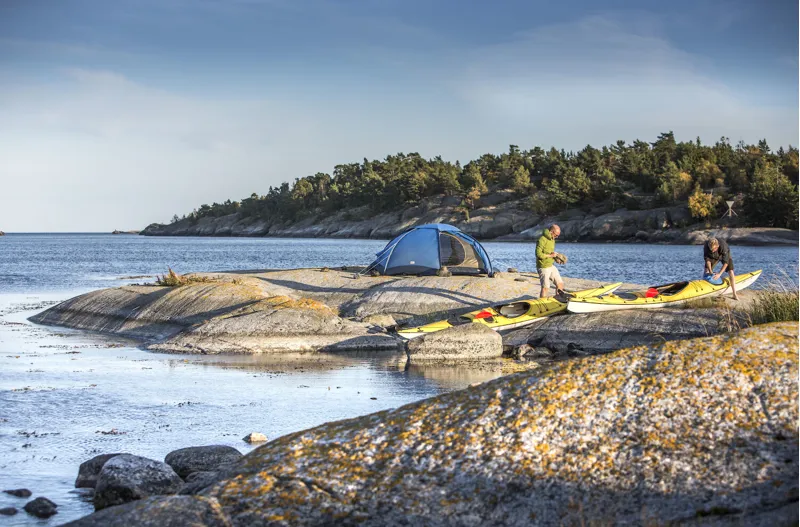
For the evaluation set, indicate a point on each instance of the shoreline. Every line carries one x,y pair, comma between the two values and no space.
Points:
789,238
482,240
499,218
742,237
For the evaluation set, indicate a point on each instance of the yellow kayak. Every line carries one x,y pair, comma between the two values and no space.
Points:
508,316
667,295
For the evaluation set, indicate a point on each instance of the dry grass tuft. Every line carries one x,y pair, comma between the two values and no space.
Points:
173,279
777,303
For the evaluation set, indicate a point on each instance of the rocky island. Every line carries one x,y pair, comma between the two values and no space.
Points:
329,310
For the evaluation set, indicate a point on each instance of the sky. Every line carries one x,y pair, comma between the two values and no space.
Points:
115,115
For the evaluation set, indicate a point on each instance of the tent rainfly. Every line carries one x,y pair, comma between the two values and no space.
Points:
425,249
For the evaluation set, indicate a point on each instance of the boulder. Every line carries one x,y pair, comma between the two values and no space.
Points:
184,461
19,493
467,341
127,478
89,470
183,511
41,507
603,332
8,511
197,481
254,437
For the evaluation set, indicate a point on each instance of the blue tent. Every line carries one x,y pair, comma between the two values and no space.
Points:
427,248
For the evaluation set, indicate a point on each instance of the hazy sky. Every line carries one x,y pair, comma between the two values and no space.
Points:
119,114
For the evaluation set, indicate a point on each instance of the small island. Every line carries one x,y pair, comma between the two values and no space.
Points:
665,191
124,232
329,310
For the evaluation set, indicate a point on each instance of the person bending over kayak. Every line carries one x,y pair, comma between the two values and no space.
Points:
545,254
716,251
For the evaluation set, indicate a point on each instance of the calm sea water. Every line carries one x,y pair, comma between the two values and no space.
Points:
68,262
67,395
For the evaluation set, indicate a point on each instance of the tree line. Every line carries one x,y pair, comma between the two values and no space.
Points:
637,175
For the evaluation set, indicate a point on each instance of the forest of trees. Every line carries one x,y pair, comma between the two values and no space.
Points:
638,175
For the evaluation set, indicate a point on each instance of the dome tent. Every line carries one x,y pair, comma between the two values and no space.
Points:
425,249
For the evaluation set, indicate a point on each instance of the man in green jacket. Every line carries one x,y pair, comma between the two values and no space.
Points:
545,252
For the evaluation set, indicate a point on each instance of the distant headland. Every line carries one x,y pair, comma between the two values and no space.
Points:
660,192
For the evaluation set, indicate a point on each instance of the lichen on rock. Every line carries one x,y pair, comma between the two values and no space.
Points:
687,431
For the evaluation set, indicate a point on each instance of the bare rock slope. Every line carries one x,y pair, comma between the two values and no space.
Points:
310,310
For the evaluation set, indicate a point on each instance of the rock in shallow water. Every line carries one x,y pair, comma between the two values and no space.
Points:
20,493
254,437
201,458
89,470
41,508
8,511
127,478
468,341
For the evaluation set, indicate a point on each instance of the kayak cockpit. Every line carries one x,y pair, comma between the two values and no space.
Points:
517,309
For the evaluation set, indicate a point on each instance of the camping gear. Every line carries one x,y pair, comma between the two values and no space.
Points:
560,258
667,295
425,249
709,277
507,316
